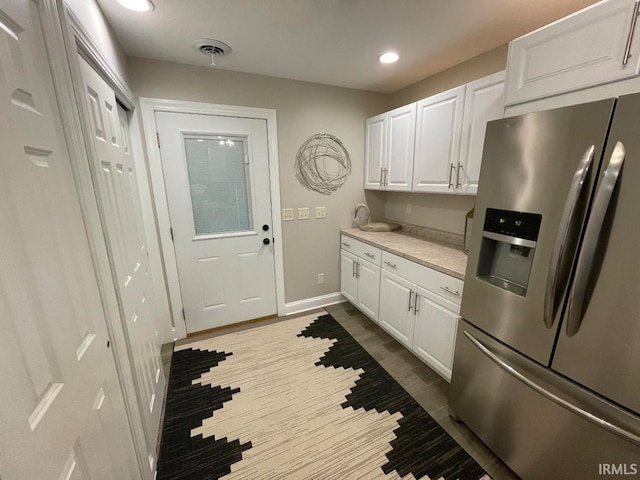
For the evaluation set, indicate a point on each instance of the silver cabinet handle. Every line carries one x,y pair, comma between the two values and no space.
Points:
410,299
451,176
512,370
385,176
357,269
381,169
458,184
634,18
591,236
416,304
558,278
353,269
448,290
370,255
348,245
392,265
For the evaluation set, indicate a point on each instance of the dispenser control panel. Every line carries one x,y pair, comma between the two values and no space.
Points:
514,224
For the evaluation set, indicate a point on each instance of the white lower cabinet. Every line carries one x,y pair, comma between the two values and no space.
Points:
434,335
360,283
368,276
416,305
348,280
396,307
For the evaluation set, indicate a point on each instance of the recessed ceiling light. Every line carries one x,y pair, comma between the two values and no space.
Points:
389,57
137,5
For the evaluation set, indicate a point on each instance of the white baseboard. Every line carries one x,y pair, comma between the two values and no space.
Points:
300,306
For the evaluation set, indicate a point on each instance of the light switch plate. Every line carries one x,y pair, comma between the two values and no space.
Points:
303,213
321,279
321,212
287,214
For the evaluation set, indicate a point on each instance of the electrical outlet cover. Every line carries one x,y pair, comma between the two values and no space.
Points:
321,212
303,213
287,214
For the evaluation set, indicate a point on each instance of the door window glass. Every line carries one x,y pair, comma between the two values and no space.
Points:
219,184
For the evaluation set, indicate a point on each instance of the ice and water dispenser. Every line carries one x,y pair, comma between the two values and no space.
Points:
507,249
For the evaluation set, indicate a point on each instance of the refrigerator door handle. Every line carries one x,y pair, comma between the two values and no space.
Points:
604,193
552,294
512,370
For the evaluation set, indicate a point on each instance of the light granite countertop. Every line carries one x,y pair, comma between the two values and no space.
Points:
432,254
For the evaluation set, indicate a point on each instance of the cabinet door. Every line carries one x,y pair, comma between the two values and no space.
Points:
375,146
484,101
401,134
396,307
348,280
582,50
438,129
368,288
435,333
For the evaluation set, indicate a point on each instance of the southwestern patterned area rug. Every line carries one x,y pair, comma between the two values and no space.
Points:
298,399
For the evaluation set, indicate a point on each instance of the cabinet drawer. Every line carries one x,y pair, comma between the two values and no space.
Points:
446,286
361,249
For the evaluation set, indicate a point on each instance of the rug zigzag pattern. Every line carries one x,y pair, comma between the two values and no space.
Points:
377,390
312,404
181,455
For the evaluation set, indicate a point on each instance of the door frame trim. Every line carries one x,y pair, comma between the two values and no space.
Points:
148,108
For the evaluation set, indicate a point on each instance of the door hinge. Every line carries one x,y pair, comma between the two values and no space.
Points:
171,233
183,316
158,139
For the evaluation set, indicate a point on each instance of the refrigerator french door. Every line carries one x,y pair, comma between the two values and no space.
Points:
547,360
542,164
599,341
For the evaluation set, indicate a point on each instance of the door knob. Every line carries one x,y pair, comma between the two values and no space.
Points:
266,241
265,227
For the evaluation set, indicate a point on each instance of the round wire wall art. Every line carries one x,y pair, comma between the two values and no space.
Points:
322,164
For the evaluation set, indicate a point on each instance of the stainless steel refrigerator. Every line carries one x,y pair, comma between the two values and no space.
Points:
547,360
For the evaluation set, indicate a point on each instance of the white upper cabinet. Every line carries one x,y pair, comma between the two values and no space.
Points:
592,47
401,134
484,101
389,148
438,129
375,151
434,145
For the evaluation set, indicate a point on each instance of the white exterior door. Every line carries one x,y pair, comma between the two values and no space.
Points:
438,129
396,307
484,101
368,288
375,151
216,172
62,414
401,135
119,200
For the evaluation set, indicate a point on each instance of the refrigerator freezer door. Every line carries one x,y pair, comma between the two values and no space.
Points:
530,164
601,348
542,432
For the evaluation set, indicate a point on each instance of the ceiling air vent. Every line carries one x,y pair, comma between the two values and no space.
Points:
210,47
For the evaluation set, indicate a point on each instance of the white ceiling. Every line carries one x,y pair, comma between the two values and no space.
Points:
334,42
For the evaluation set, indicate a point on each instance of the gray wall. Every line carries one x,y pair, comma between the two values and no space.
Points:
303,109
436,211
477,67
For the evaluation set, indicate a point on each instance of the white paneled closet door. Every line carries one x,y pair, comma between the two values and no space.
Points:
119,201
62,413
